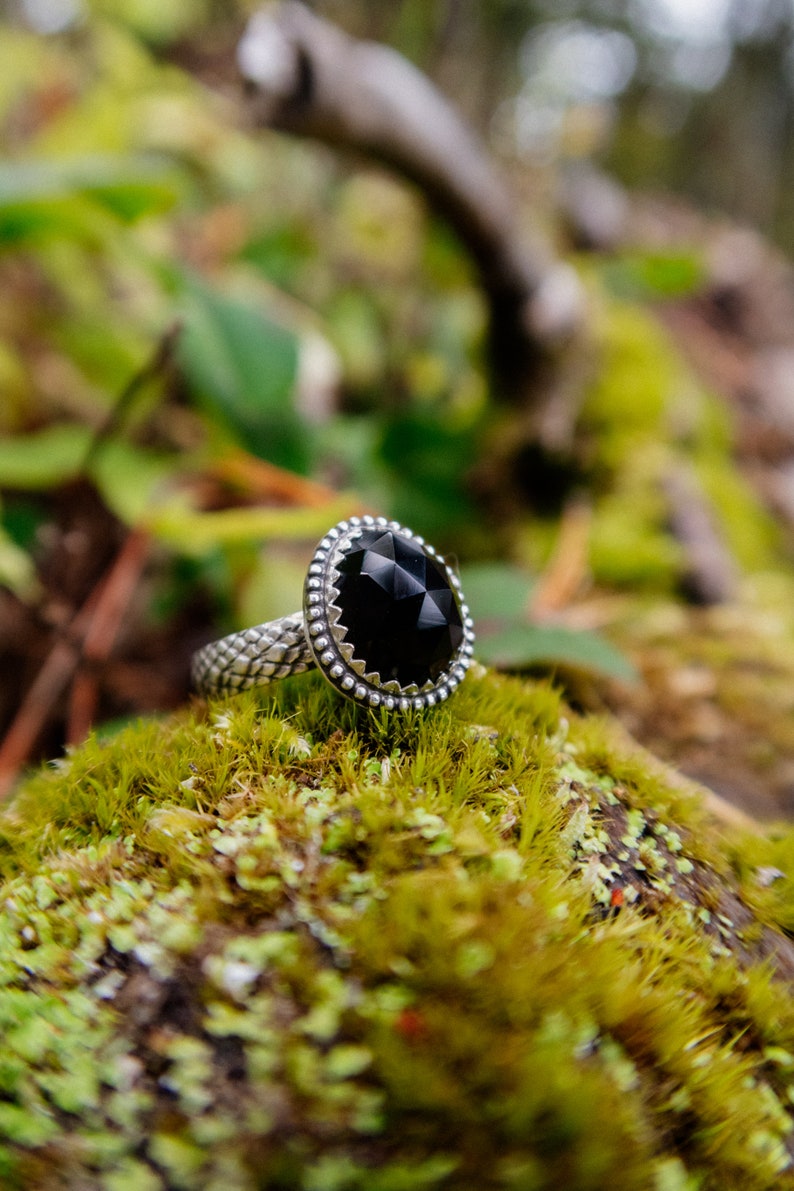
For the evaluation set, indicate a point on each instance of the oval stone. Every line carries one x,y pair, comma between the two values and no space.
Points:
398,608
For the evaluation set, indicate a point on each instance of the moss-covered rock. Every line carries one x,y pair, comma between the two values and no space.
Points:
280,942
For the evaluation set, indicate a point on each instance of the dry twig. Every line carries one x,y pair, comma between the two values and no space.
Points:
568,567
89,636
155,366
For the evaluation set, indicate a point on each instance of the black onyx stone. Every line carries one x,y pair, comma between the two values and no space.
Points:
400,612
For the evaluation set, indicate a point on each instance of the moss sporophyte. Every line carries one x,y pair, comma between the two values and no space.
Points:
283,942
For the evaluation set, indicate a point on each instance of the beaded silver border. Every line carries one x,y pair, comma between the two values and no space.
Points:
325,633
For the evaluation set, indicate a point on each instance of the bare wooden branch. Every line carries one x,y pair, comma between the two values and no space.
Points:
309,78
710,573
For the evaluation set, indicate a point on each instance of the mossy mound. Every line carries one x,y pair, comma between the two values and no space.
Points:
285,943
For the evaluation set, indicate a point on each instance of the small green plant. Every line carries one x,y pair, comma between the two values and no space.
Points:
507,638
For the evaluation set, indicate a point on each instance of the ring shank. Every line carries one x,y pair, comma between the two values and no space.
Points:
253,657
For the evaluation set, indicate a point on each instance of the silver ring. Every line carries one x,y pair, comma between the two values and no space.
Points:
384,620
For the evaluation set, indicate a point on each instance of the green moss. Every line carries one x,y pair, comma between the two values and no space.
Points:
630,545
639,373
282,942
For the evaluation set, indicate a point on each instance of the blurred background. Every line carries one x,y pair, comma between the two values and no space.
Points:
216,340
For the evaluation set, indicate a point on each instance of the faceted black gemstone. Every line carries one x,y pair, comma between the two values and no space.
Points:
401,615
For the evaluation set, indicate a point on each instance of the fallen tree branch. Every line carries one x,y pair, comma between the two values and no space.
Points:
710,573
309,78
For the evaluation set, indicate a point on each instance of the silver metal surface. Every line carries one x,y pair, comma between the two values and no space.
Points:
253,657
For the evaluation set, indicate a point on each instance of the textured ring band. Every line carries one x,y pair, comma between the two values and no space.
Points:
383,618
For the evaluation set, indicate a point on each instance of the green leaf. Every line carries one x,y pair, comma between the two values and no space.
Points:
497,595
68,217
281,252
521,645
651,275
420,445
134,482
17,571
428,461
75,196
242,366
194,533
142,182
495,591
44,459
132,197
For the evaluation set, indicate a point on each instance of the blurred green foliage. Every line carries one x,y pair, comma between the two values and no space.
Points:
328,325
130,198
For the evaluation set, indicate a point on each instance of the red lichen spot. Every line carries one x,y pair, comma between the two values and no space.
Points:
411,1023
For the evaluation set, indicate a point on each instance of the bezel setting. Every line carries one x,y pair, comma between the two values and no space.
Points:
327,635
